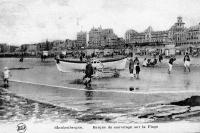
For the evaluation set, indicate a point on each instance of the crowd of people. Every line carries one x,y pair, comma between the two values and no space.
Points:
134,66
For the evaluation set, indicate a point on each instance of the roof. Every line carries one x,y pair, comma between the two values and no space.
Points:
196,27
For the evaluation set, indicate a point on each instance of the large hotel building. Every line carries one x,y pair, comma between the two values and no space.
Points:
178,34
102,37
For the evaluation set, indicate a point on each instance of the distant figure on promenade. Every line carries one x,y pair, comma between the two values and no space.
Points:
186,62
131,67
160,57
81,58
41,57
137,69
21,59
88,74
171,61
6,75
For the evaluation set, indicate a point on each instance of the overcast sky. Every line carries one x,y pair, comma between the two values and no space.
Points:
28,21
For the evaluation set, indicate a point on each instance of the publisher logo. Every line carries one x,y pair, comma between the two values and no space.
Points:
21,128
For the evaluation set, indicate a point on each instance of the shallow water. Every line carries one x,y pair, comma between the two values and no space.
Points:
108,100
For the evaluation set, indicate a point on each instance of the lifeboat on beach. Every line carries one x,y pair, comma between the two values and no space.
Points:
64,65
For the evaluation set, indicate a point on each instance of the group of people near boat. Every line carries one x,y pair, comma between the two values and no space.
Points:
134,67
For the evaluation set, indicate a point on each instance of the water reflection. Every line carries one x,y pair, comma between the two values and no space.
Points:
89,93
187,84
1,104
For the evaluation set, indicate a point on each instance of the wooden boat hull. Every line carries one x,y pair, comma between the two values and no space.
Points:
67,66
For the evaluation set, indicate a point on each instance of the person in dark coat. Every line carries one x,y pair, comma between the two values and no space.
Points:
81,58
131,67
171,61
88,73
137,69
160,58
136,61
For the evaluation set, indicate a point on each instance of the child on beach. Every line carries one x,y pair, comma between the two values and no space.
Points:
131,68
6,75
186,62
137,69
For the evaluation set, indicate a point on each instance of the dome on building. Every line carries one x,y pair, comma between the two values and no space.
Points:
131,31
149,29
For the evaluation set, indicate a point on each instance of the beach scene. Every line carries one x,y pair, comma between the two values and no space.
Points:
99,66
34,93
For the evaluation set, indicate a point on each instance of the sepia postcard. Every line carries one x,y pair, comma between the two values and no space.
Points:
89,66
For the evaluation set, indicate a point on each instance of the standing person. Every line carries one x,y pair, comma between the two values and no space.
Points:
160,58
21,58
81,58
171,61
6,76
88,73
137,69
144,64
136,60
131,67
186,62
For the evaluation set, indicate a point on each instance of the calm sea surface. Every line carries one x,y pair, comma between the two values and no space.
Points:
39,91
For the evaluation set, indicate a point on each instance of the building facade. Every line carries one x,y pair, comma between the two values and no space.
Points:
184,39
148,36
3,48
129,34
95,37
193,35
99,37
81,40
178,32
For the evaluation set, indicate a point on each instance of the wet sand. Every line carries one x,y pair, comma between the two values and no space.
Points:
108,101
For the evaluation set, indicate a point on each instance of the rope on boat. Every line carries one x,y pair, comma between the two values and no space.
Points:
111,91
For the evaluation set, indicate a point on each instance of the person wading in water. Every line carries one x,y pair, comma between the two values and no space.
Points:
171,61
186,62
88,74
131,68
